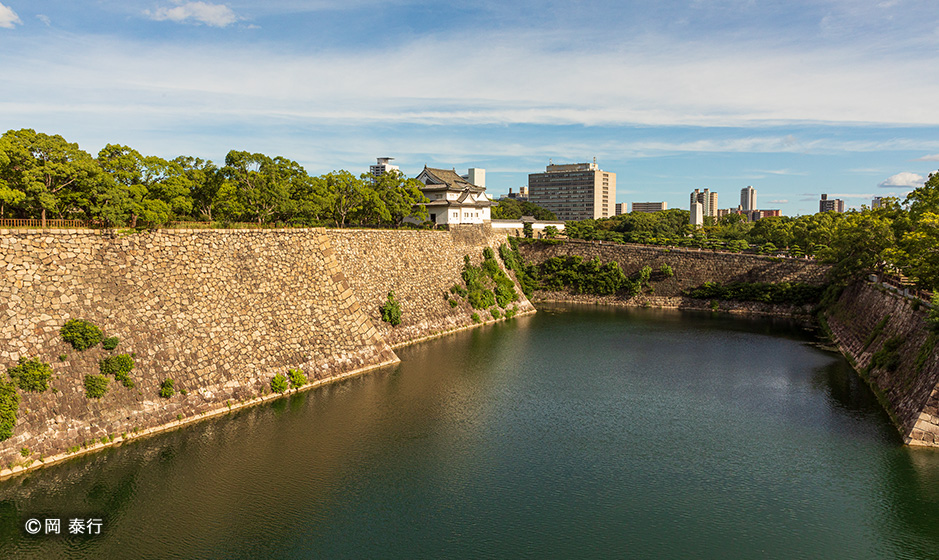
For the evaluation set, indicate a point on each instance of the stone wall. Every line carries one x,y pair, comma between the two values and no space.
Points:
420,266
910,392
219,312
692,267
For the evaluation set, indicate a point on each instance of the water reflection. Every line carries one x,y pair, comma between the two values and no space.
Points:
584,432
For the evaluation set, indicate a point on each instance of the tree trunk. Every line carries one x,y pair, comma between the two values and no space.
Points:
43,218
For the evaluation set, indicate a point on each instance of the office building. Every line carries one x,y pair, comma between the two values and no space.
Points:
577,191
383,166
707,199
622,208
697,214
649,206
830,205
748,198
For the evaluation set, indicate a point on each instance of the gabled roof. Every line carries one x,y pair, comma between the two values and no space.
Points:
445,178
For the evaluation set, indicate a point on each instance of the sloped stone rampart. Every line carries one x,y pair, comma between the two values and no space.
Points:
692,267
910,392
420,266
218,311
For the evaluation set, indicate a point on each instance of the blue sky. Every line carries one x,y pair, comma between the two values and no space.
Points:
795,98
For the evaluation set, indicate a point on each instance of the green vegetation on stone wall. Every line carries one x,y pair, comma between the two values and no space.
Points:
167,388
297,378
279,383
391,310
80,334
95,386
9,406
31,375
120,367
782,293
110,343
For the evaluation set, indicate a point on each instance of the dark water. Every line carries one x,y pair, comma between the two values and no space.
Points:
582,432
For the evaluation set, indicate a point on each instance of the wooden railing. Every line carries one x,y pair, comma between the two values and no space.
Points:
37,223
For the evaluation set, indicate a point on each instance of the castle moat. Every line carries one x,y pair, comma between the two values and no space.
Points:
580,431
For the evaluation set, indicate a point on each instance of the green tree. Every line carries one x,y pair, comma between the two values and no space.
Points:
54,176
205,180
263,190
346,193
401,196
513,209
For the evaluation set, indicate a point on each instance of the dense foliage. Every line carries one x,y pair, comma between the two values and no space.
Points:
784,292
297,378
95,386
120,367
9,406
513,209
80,334
279,383
110,343
44,176
391,310
31,375
899,237
167,388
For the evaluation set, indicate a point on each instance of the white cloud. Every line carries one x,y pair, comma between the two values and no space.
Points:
8,18
933,157
216,15
45,19
903,179
780,201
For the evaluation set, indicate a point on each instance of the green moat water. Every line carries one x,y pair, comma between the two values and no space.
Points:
576,432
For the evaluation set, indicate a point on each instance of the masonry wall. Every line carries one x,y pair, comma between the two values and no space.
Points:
420,266
692,267
219,312
910,392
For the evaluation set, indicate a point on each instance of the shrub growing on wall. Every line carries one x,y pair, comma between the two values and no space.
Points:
110,343
120,367
80,334
95,386
279,383
167,389
297,378
391,310
9,406
31,375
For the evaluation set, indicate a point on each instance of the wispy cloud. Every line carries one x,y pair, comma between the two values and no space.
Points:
933,157
8,18
45,19
780,201
903,179
215,15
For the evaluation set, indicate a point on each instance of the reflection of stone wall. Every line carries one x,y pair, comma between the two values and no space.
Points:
691,266
218,311
911,394
420,266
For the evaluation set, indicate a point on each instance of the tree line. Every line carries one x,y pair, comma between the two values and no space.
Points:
900,237
43,176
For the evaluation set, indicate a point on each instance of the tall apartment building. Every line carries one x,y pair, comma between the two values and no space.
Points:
622,208
830,205
877,202
649,207
577,191
383,166
748,198
707,199
697,214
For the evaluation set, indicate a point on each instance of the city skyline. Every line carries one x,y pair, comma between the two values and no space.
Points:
796,100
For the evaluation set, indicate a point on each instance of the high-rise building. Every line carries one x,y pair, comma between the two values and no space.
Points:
748,198
577,191
830,205
649,206
622,208
697,214
707,199
877,202
476,176
383,166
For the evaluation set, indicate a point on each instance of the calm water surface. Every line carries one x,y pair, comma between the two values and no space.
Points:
578,432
